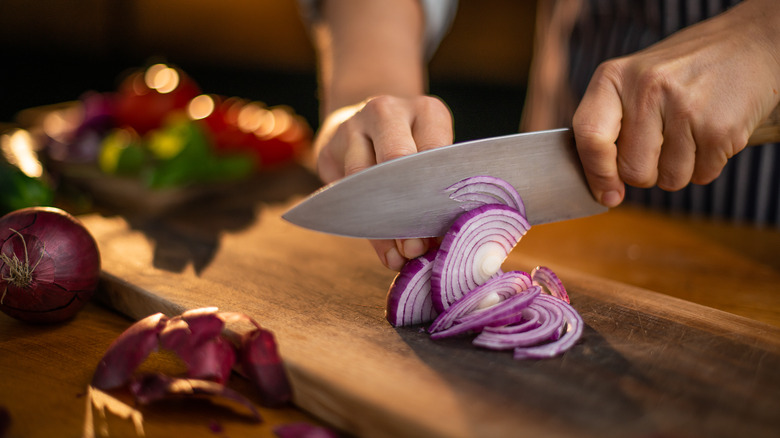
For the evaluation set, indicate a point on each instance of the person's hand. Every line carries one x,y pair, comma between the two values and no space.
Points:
673,114
378,130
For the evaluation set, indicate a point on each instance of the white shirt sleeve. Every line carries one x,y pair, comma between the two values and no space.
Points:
439,15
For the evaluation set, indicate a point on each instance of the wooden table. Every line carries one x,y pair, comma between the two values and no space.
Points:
45,369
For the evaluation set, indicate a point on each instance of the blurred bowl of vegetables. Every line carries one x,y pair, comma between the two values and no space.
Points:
158,140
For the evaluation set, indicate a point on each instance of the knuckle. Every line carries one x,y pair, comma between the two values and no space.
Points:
636,174
392,155
609,70
381,105
590,139
705,176
671,181
430,104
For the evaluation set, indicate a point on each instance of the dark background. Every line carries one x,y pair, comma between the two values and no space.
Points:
53,51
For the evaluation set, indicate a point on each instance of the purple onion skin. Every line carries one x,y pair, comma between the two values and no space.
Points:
560,345
195,336
150,388
443,267
128,351
410,276
549,281
62,259
262,364
482,190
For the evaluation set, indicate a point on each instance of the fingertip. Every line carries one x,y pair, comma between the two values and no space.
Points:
412,248
394,260
611,198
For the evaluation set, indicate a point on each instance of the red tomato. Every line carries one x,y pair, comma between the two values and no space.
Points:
144,108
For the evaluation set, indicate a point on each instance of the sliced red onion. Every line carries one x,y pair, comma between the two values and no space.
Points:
482,190
529,318
409,298
471,293
550,283
498,314
473,250
547,330
150,388
493,291
566,341
128,351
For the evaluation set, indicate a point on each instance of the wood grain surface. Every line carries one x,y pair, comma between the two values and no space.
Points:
649,364
46,369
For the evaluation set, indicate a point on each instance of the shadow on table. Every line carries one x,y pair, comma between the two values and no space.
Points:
190,233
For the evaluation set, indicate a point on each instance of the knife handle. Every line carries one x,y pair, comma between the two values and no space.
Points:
768,131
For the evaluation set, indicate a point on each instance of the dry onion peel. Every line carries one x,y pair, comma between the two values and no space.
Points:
200,339
149,388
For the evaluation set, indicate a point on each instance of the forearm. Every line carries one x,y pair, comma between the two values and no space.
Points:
763,18
367,48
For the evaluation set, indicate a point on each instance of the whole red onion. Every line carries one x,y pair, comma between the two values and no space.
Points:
49,264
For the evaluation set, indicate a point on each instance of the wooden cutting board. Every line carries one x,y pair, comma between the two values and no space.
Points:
648,365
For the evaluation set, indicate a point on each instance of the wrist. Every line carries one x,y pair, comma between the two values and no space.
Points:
762,19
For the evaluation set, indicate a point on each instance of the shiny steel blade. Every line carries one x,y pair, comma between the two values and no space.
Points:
407,197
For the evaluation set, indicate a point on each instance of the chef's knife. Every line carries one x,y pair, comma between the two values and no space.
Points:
407,197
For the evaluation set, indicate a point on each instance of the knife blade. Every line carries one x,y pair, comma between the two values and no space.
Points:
407,197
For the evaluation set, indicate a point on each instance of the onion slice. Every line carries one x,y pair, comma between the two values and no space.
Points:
550,283
477,191
473,251
409,298
499,314
551,322
491,292
573,333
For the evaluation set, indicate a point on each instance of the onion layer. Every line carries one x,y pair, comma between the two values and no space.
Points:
484,190
473,250
549,281
494,290
409,298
